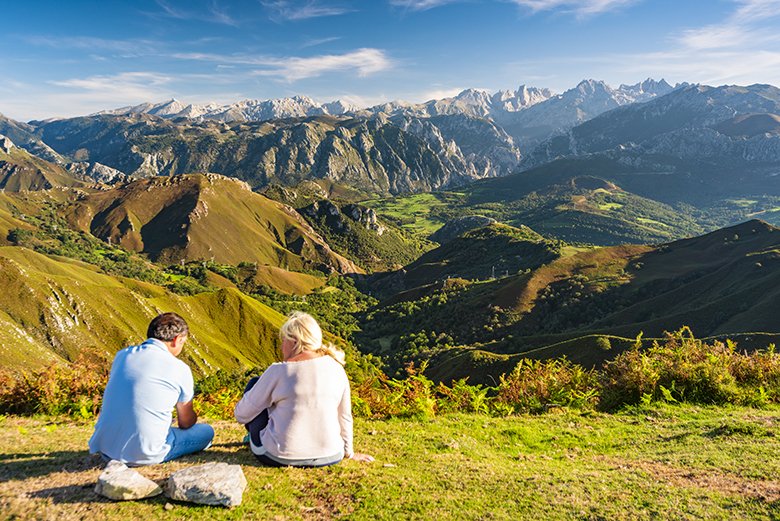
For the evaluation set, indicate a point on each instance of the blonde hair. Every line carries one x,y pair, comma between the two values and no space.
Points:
304,330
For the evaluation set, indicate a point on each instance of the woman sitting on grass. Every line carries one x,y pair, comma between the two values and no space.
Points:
298,412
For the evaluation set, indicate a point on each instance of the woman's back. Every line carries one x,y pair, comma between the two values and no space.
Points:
309,409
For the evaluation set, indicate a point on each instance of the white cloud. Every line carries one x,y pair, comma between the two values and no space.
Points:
437,94
365,62
285,10
125,84
579,7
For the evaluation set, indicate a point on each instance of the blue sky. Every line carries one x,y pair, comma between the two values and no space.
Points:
62,59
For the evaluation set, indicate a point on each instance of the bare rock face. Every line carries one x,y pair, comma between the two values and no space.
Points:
121,483
209,484
6,144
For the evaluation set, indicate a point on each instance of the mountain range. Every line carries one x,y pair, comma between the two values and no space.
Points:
489,226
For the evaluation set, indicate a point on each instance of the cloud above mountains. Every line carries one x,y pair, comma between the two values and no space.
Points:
364,62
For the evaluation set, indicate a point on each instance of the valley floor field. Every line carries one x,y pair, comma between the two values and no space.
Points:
664,462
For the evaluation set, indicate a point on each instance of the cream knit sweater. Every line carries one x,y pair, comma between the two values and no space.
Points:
309,409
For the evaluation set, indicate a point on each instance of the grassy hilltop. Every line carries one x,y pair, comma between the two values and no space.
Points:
654,463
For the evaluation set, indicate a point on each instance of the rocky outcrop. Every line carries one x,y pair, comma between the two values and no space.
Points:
120,483
6,145
375,154
97,172
210,484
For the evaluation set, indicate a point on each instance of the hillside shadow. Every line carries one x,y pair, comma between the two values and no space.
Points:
28,465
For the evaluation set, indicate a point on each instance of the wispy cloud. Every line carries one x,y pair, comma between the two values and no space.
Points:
578,7
79,96
319,41
750,24
209,12
122,86
290,10
95,44
365,62
420,5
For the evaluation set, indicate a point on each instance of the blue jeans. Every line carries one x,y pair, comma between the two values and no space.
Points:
186,441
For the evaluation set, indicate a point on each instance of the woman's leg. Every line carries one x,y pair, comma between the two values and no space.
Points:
260,421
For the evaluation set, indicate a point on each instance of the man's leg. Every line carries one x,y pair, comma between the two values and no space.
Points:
186,441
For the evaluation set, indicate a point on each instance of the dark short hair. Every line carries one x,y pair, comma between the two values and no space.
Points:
167,326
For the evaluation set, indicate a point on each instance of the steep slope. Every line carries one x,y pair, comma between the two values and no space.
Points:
355,232
725,283
374,154
204,217
694,144
529,114
26,136
587,100
19,170
54,308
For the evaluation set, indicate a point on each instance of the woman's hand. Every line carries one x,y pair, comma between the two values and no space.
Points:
365,458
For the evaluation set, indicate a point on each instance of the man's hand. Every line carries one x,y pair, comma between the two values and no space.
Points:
185,415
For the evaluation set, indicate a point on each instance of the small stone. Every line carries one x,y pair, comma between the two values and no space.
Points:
268,486
168,506
373,433
121,483
389,465
209,484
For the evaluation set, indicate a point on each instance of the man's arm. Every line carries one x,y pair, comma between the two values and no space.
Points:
185,415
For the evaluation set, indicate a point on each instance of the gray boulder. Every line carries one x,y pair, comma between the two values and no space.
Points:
209,484
119,482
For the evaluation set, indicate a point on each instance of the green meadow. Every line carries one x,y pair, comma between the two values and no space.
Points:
659,462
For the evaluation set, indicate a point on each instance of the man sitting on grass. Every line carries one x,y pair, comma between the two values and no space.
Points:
145,383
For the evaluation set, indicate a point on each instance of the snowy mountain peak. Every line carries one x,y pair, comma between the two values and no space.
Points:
590,87
248,109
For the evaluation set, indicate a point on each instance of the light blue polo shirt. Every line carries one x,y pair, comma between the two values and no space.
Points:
145,383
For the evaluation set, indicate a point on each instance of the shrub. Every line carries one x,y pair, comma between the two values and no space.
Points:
75,389
382,397
216,395
684,368
536,386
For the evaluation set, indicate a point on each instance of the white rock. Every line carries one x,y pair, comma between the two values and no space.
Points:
6,144
209,484
119,482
